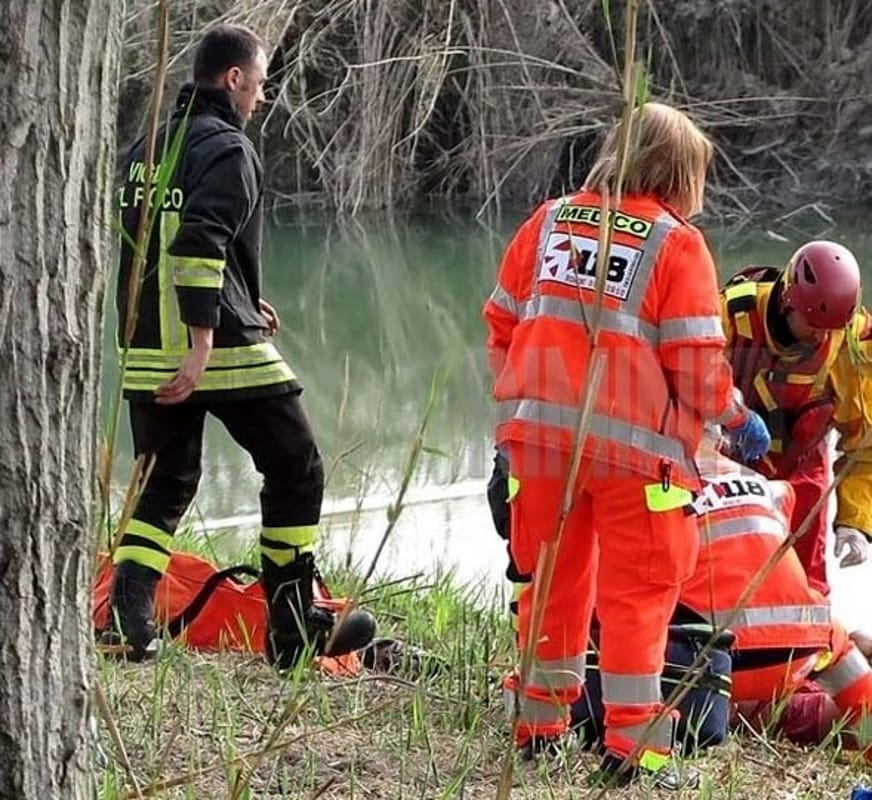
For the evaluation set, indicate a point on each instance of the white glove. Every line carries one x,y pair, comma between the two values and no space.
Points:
855,541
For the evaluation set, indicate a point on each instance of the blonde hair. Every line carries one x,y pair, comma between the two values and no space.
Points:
667,157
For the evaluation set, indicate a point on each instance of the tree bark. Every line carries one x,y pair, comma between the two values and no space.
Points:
60,61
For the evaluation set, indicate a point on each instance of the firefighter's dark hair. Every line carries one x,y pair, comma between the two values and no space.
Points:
224,47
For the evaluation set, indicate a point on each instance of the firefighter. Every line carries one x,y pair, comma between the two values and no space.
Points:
796,340
201,345
660,338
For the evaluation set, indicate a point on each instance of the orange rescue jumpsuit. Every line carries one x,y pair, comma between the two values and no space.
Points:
627,543
784,632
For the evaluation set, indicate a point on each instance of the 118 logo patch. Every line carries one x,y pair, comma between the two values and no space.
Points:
572,260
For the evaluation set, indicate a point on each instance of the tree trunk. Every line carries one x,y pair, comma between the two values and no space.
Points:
57,146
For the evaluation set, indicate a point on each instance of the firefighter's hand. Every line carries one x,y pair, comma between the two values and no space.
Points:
750,438
180,387
856,544
272,316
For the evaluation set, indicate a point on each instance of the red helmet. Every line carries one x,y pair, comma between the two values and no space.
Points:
822,281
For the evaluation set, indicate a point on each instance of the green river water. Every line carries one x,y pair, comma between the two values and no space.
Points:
371,311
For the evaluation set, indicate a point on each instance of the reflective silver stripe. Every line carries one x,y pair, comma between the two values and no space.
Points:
563,673
533,712
676,330
545,231
743,526
630,690
616,430
844,672
506,410
774,615
573,311
504,300
659,737
663,226
559,416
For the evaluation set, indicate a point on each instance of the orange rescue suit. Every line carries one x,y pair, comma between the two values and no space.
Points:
784,614
664,375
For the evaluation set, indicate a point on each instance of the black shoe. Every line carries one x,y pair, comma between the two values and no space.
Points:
132,633
667,775
296,622
550,748
288,643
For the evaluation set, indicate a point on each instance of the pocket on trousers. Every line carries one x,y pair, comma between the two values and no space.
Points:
523,539
672,547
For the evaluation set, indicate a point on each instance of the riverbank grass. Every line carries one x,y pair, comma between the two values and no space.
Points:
208,725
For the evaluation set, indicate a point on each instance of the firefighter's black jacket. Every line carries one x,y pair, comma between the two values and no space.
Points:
203,259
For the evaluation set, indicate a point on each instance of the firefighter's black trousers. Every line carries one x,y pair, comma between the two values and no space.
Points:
273,430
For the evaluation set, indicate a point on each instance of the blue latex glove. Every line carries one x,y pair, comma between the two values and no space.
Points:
751,439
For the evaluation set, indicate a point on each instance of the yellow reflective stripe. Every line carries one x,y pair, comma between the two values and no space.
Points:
207,273
514,487
743,326
142,555
283,545
294,535
823,661
151,547
229,368
763,390
161,538
743,289
215,380
656,499
173,332
281,558
220,356
653,762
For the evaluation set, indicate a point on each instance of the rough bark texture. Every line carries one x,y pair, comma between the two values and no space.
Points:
57,146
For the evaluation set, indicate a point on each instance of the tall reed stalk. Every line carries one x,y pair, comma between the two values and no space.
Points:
148,215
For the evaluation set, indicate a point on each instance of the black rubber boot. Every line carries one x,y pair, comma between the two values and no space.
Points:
670,775
297,623
131,612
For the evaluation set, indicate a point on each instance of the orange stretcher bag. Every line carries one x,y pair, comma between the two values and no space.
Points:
205,608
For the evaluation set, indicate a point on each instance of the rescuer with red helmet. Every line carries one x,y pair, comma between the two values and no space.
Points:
796,339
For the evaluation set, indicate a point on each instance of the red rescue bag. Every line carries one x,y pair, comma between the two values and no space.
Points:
205,608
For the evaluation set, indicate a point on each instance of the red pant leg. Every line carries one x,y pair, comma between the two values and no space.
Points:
809,483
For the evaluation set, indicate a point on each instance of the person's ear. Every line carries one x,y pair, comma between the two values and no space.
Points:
233,79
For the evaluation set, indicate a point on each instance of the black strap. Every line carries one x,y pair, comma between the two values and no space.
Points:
190,612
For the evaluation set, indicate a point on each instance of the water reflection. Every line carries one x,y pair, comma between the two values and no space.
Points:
371,311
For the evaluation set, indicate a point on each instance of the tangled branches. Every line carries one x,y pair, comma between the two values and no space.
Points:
382,103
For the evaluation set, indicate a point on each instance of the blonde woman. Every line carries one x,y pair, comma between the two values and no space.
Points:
627,544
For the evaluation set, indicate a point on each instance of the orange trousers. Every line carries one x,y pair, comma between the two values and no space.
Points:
843,673
613,553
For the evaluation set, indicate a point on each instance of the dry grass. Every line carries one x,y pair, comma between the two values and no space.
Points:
377,737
